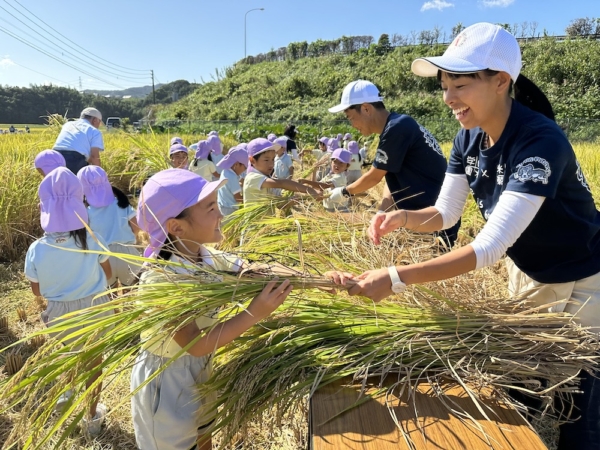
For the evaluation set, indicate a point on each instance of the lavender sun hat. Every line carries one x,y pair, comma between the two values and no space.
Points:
347,136
203,150
176,148
333,144
271,137
213,133
258,146
164,196
235,155
48,160
215,143
61,202
281,141
353,147
96,187
342,155
176,140
324,140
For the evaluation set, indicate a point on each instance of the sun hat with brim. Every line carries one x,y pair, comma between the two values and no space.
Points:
176,140
166,195
215,143
235,155
96,187
61,202
258,146
48,160
357,93
202,150
333,144
479,47
347,136
176,148
324,140
281,142
271,137
213,133
342,155
90,112
353,147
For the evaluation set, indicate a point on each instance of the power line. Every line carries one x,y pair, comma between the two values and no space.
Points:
86,63
29,44
87,53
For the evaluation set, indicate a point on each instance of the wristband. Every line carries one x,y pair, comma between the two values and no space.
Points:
345,193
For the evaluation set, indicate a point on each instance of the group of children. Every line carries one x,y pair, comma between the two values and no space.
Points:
181,210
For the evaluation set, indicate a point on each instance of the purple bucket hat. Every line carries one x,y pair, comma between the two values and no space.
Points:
164,196
235,155
271,137
339,137
347,136
324,140
353,147
213,133
215,143
176,140
203,150
333,144
258,146
61,202
48,160
281,141
176,148
342,155
96,187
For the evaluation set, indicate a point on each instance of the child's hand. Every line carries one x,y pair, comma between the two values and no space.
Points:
269,299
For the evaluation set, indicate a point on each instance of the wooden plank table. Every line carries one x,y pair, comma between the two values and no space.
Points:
369,426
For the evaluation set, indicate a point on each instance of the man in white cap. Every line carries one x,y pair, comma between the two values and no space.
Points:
80,141
408,156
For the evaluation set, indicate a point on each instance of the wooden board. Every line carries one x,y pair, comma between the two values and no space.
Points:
370,426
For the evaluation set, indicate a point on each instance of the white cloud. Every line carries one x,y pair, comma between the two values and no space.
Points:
436,4
6,62
499,3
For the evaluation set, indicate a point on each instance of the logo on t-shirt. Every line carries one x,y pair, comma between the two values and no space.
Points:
534,169
381,156
581,177
431,140
60,240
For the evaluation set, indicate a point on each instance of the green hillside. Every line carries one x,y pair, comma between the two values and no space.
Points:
302,88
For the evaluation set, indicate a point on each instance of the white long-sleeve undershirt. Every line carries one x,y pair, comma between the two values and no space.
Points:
511,216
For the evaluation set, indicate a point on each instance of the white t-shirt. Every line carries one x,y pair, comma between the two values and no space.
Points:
204,168
63,274
225,195
354,163
79,136
338,180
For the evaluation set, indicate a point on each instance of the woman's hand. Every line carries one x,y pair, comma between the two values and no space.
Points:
384,223
339,277
374,284
271,298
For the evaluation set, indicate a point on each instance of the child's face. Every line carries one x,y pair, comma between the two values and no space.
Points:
264,162
179,160
280,151
202,224
337,166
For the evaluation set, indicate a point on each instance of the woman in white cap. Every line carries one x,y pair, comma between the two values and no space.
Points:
529,187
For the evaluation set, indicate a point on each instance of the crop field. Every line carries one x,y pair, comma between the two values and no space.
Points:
129,159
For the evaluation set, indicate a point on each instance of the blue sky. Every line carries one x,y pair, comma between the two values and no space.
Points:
189,39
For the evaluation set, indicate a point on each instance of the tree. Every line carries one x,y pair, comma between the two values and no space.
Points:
383,45
456,29
583,26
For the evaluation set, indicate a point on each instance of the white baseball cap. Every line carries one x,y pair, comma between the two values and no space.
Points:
478,47
357,93
92,112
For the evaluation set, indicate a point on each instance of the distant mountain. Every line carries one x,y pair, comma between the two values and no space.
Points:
135,92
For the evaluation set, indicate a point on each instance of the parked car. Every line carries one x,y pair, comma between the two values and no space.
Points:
113,122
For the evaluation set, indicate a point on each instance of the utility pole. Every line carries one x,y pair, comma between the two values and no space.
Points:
153,92
245,15
80,87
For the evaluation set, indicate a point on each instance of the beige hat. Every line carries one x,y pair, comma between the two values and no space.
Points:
93,112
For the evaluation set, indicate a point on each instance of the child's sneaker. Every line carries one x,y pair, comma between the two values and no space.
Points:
93,426
63,400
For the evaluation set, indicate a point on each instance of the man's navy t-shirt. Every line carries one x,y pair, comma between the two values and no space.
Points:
413,160
533,156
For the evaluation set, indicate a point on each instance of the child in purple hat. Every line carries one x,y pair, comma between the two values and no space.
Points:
178,154
347,138
354,171
48,160
202,164
69,279
340,161
284,166
112,216
216,151
176,140
258,184
178,209
232,166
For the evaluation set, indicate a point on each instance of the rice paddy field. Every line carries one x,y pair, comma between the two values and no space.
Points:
303,238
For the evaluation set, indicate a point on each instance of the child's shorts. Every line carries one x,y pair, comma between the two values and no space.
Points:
123,270
54,310
168,412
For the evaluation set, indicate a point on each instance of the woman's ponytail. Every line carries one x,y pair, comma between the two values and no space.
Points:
528,94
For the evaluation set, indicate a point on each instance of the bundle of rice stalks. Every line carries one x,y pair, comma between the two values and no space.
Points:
22,314
163,308
274,367
37,341
3,324
41,302
13,362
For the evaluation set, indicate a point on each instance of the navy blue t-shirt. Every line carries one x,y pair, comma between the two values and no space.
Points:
413,160
533,156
